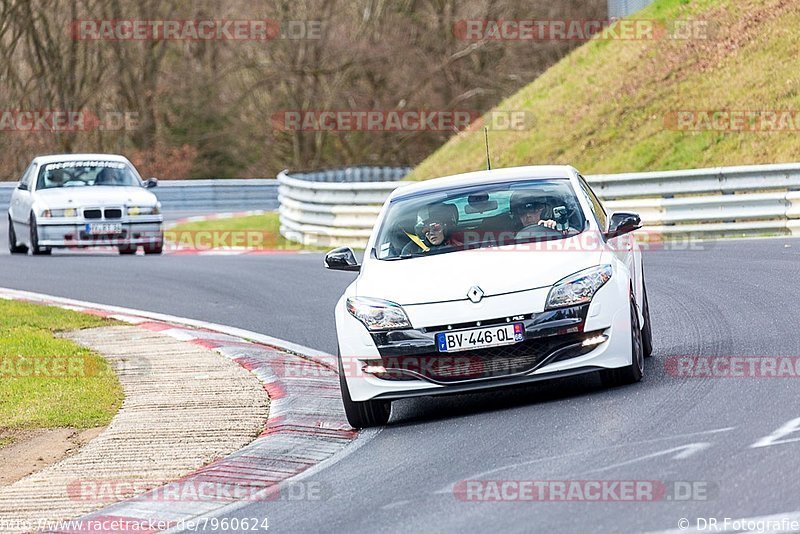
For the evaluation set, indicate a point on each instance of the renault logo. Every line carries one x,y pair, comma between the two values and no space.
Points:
475,294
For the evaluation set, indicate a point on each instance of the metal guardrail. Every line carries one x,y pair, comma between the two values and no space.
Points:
703,203
202,195
361,173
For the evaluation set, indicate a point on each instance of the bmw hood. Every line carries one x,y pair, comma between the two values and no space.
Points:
96,196
448,277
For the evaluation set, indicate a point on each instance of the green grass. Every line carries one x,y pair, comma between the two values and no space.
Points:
252,231
4,442
48,382
604,108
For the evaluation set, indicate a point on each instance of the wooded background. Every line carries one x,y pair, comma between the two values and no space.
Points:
203,109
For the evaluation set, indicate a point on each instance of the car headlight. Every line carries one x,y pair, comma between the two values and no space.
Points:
66,212
377,314
578,288
144,210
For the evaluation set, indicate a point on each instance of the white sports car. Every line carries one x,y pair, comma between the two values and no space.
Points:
490,279
84,200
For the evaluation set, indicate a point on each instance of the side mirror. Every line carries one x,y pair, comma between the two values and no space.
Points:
623,223
342,259
22,186
151,183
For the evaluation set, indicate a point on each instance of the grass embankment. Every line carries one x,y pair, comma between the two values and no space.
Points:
48,382
252,231
610,106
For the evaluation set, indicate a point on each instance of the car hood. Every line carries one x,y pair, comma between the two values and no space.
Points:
448,277
96,196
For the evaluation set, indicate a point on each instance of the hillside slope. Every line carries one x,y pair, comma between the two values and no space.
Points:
612,105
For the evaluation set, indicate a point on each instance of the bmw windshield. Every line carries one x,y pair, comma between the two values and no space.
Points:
487,215
86,173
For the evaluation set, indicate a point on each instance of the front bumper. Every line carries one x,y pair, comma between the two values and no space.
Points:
550,337
65,233
554,346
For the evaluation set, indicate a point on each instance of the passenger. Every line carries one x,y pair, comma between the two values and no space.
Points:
434,230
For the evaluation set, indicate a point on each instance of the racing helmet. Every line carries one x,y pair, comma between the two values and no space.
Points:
522,201
443,214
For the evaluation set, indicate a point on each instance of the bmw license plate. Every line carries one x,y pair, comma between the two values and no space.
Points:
480,338
104,228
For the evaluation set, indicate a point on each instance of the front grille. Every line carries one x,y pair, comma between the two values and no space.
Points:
113,213
483,363
92,214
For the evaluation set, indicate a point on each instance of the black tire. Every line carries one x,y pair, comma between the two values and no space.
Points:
154,248
127,249
647,330
632,373
363,414
13,248
36,250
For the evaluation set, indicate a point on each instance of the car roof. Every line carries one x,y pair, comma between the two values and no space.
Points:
510,174
55,158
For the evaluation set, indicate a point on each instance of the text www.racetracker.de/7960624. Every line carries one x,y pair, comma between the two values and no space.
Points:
200,524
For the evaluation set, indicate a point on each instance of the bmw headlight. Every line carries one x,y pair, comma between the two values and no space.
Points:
377,314
66,212
578,288
144,210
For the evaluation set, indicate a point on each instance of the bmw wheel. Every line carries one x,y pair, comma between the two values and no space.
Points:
13,247
36,250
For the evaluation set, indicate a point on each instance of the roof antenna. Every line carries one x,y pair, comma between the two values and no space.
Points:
488,159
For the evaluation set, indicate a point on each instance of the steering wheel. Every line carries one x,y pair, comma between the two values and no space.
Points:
536,230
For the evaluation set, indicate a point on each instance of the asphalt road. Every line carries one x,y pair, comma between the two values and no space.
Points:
734,298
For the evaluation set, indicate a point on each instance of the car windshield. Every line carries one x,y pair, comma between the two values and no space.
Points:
86,173
487,215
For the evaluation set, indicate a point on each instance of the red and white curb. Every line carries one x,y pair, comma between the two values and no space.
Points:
306,424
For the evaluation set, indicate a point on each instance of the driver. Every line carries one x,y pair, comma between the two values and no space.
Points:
56,178
434,230
527,210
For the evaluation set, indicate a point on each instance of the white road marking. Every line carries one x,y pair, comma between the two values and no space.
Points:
483,474
686,451
775,438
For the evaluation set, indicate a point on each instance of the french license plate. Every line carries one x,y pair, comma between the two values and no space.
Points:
480,338
104,228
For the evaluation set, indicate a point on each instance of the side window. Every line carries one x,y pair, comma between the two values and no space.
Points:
26,177
594,202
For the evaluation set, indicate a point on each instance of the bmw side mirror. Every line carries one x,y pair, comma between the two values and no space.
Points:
151,183
22,187
623,223
342,259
